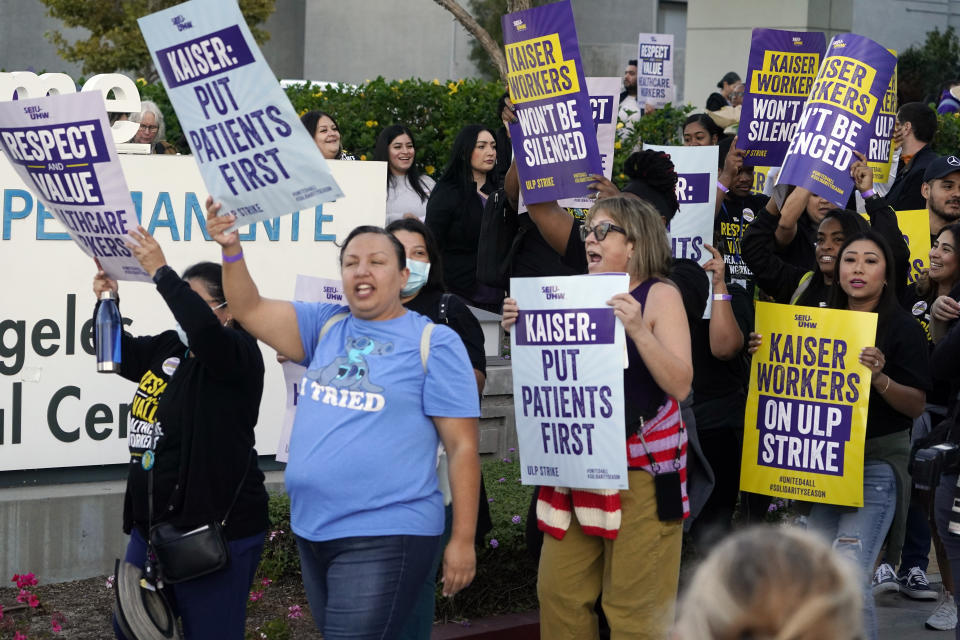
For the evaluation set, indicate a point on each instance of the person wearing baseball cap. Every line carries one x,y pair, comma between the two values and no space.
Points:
941,188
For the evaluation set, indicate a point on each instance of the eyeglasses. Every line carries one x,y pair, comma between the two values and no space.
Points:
211,303
150,127
600,231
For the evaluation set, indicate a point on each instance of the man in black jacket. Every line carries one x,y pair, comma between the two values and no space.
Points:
913,131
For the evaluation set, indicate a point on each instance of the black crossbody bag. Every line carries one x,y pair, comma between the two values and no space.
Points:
187,553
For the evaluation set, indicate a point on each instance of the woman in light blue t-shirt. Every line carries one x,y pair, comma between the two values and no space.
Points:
383,387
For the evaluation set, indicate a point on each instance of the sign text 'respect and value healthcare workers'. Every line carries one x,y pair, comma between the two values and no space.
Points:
554,141
62,148
837,116
806,416
780,73
655,84
254,154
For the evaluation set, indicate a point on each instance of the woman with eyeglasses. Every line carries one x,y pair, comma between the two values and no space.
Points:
152,130
191,436
634,560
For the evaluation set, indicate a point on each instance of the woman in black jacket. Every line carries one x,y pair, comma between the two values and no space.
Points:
191,428
455,209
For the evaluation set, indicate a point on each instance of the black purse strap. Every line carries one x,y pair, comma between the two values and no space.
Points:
223,522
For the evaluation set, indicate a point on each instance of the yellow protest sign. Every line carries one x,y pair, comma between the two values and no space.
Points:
880,150
806,417
915,226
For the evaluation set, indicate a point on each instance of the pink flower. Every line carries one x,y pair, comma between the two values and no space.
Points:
109,582
19,636
23,595
24,580
255,595
1,612
56,626
266,582
34,601
295,612
274,534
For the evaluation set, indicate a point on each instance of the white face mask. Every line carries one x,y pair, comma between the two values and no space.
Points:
419,271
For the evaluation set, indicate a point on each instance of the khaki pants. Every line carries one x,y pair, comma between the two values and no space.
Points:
637,573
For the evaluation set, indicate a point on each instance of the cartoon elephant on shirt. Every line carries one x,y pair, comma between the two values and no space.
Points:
352,371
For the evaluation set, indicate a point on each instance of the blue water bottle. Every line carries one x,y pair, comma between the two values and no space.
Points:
109,329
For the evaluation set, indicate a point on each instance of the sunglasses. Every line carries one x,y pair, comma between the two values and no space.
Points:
600,231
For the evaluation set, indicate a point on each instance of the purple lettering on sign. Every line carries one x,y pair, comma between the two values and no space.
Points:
801,435
693,188
565,326
204,57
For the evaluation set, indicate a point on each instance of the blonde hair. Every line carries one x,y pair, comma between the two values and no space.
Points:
773,583
644,227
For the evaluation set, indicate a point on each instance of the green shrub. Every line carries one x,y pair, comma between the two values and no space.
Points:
506,580
435,111
280,558
947,140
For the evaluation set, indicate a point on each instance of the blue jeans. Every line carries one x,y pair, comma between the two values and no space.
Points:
859,533
364,587
214,605
942,505
419,624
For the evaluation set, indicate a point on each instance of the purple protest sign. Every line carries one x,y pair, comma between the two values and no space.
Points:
836,119
565,326
801,435
554,141
780,73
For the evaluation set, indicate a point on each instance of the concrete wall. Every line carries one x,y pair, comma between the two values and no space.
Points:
285,48
718,34
72,531
23,46
898,24
395,40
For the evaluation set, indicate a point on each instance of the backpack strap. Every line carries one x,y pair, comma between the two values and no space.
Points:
332,320
425,345
802,286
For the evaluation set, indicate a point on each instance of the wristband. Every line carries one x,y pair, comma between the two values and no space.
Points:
718,297
235,258
722,187
884,390
869,193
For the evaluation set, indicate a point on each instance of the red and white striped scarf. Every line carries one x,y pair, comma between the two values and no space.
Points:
598,510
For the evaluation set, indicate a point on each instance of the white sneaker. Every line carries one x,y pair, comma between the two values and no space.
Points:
944,617
885,580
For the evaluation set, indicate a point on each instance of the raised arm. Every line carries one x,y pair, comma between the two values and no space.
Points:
775,276
271,321
726,337
883,220
553,222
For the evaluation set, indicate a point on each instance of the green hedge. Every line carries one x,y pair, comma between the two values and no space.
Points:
435,111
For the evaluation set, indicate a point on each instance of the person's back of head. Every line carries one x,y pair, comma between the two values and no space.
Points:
922,119
653,178
773,583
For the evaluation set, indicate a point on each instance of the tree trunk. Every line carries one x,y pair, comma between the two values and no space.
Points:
473,27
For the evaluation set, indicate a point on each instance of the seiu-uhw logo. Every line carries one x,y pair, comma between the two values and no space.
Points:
36,112
804,321
181,23
519,25
552,292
